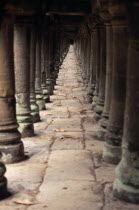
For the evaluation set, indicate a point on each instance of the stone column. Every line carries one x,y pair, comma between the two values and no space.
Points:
88,54
22,80
102,75
49,81
43,69
96,64
113,137
39,96
126,185
34,105
91,86
11,147
109,53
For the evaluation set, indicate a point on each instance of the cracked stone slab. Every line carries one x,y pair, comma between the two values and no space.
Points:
66,124
105,173
90,125
72,102
68,195
25,172
70,165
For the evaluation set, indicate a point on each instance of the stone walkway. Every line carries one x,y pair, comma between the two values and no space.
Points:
63,169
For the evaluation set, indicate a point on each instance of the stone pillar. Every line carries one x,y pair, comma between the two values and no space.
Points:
43,69
39,96
91,86
88,54
22,80
126,185
34,105
11,147
49,81
96,64
102,75
109,53
113,137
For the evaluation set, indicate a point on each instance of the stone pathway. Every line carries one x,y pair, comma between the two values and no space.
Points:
64,169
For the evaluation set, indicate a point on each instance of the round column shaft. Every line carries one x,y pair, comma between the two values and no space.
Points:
11,147
22,80
34,105
43,70
96,65
102,75
105,115
113,137
126,185
39,96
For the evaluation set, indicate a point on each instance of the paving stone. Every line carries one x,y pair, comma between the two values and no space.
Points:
105,173
80,195
25,172
70,165
66,124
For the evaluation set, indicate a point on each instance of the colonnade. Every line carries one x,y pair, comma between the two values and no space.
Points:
29,66
32,49
113,34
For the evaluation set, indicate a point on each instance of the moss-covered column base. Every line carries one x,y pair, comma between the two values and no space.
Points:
50,87
111,154
46,96
103,125
24,117
40,101
90,93
34,109
94,100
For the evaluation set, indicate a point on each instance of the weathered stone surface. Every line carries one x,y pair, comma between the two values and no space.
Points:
71,165
80,195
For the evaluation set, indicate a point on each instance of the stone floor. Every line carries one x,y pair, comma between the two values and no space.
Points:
64,169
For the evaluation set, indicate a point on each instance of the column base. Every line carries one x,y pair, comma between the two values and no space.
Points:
46,96
12,153
40,101
125,192
102,130
97,117
111,154
99,109
35,117
94,102
101,133
41,104
35,112
26,129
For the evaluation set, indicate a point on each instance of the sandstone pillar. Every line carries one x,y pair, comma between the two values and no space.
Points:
34,105
109,53
96,64
91,86
126,185
22,80
39,96
43,69
49,81
113,137
11,147
102,75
